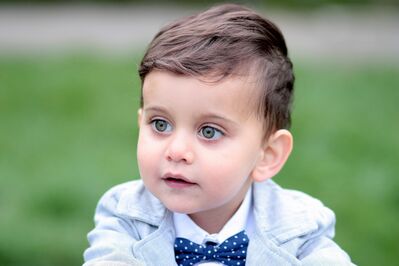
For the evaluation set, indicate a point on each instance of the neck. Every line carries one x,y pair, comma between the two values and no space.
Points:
212,221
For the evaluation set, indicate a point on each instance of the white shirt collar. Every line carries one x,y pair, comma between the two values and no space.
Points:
241,220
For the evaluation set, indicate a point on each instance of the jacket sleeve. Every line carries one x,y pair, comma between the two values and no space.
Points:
318,247
322,251
112,239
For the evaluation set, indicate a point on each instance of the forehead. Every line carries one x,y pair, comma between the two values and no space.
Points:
233,94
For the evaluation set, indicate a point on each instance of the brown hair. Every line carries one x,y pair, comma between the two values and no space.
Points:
223,41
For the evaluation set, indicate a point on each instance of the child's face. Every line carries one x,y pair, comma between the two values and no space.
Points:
198,142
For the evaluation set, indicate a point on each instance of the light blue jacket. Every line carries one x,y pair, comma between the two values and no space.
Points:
134,228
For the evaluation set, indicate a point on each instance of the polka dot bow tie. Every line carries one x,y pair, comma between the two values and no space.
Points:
232,251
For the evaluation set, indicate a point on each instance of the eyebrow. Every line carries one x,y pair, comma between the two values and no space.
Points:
204,116
217,117
155,109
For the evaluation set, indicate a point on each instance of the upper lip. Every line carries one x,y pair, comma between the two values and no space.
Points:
176,176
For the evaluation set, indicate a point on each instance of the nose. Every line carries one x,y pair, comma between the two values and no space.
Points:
180,149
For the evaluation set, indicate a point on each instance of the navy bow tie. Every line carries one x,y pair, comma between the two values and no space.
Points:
232,251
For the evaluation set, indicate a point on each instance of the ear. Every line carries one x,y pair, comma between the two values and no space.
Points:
273,156
139,116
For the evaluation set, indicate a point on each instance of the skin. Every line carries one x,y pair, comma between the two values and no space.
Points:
200,147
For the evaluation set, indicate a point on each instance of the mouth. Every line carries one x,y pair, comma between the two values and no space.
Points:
177,181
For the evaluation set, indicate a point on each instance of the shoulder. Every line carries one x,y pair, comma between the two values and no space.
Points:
112,197
132,200
289,214
299,223
288,205
116,192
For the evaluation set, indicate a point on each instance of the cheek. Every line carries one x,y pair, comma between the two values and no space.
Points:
224,183
223,168
146,153
229,169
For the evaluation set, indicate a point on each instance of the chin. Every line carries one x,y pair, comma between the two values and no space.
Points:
179,208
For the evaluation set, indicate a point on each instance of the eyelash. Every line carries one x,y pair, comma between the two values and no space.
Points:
215,130
154,126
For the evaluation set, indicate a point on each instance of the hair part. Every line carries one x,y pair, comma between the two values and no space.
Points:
229,40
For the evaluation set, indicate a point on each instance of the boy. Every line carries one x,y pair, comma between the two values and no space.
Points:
215,109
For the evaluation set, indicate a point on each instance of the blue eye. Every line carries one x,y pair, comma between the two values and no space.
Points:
210,133
161,126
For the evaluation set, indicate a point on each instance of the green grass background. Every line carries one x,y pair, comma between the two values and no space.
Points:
68,133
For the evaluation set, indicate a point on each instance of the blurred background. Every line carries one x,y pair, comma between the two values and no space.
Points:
69,93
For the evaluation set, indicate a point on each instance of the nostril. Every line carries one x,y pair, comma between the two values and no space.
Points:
185,157
179,150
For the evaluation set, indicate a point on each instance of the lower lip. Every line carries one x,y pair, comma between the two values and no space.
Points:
178,184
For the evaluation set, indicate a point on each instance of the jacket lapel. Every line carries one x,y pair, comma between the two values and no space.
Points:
262,251
158,248
154,224
278,224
